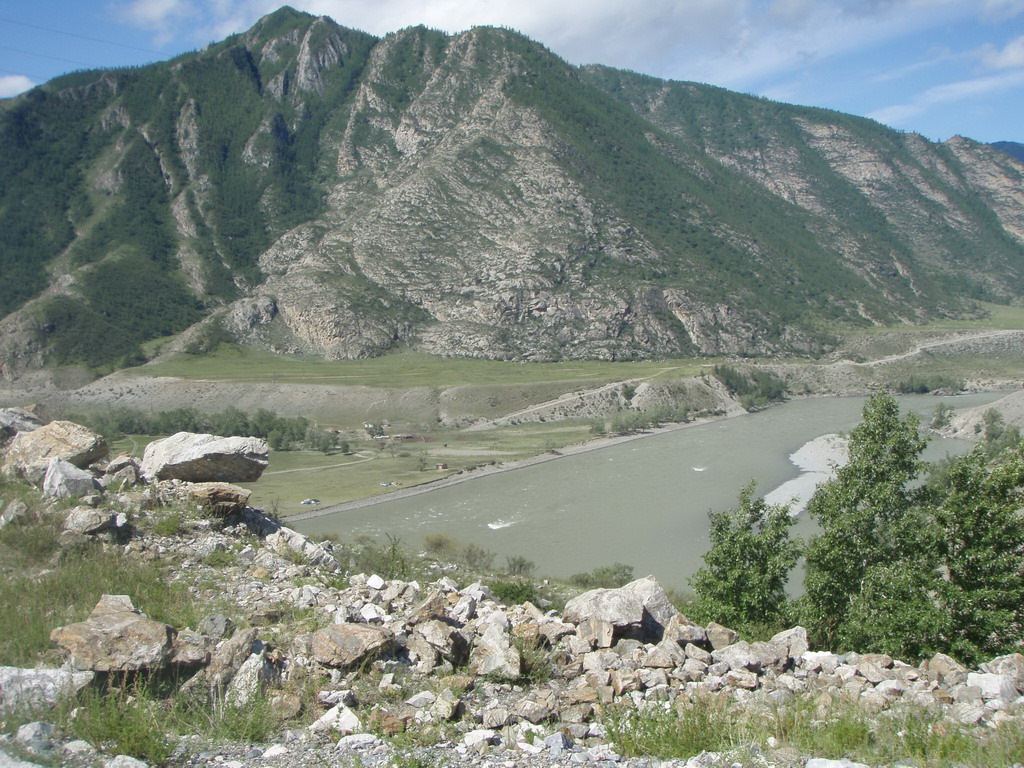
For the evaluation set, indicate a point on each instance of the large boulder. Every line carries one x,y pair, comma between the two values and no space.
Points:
30,452
639,609
347,645
199,458
63,480
117,638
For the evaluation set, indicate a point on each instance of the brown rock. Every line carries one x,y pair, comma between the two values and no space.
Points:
346,645
116,638
220,499
720,636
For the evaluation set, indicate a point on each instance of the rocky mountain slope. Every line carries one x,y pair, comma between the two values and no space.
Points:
309,188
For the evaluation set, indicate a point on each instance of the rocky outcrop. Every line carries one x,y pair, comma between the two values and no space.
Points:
117,638
640,609
200,458
463,216
30,452
220,499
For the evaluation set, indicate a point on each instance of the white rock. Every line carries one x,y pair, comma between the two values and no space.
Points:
375,582
421,699
125,761
340,719
356,741
63,480
993,686
480,736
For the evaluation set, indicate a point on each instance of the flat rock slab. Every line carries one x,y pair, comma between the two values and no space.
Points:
199,458
15,420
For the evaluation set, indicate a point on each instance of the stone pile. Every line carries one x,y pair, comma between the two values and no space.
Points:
438,654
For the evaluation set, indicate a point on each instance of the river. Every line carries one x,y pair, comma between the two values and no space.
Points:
643,503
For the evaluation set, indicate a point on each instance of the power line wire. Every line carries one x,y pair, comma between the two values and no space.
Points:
46,56
80,37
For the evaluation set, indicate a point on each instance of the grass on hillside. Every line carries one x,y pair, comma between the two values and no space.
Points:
999,317
400,369
46,586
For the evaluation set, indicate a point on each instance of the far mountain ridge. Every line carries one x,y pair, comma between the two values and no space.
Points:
1012,148
304,187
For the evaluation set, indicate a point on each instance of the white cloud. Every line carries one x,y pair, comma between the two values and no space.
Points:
1009,57
941,96
742,44
12,85
162,17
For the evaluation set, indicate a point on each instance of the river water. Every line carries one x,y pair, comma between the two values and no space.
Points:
643,503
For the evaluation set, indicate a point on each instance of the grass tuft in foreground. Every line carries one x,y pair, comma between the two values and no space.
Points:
841,730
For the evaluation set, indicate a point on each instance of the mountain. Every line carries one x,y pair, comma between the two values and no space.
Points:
1012,148
304,187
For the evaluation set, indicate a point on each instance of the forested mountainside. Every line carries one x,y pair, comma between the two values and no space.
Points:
304,187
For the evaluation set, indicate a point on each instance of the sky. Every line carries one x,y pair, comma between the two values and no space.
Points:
935,67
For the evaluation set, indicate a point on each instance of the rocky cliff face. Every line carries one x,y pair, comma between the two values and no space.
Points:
307,188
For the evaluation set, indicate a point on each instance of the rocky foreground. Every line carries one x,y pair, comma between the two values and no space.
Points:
368,671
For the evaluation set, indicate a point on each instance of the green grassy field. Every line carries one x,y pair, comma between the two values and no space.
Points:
401,369
296,475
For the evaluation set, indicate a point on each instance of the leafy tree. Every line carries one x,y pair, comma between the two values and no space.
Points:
998,435
869,517
743,581
896,611
318,439
981,554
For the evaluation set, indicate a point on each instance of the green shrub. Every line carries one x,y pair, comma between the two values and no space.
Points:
476,556
441,545
514,592
604,576
918,384
517,565
754,388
